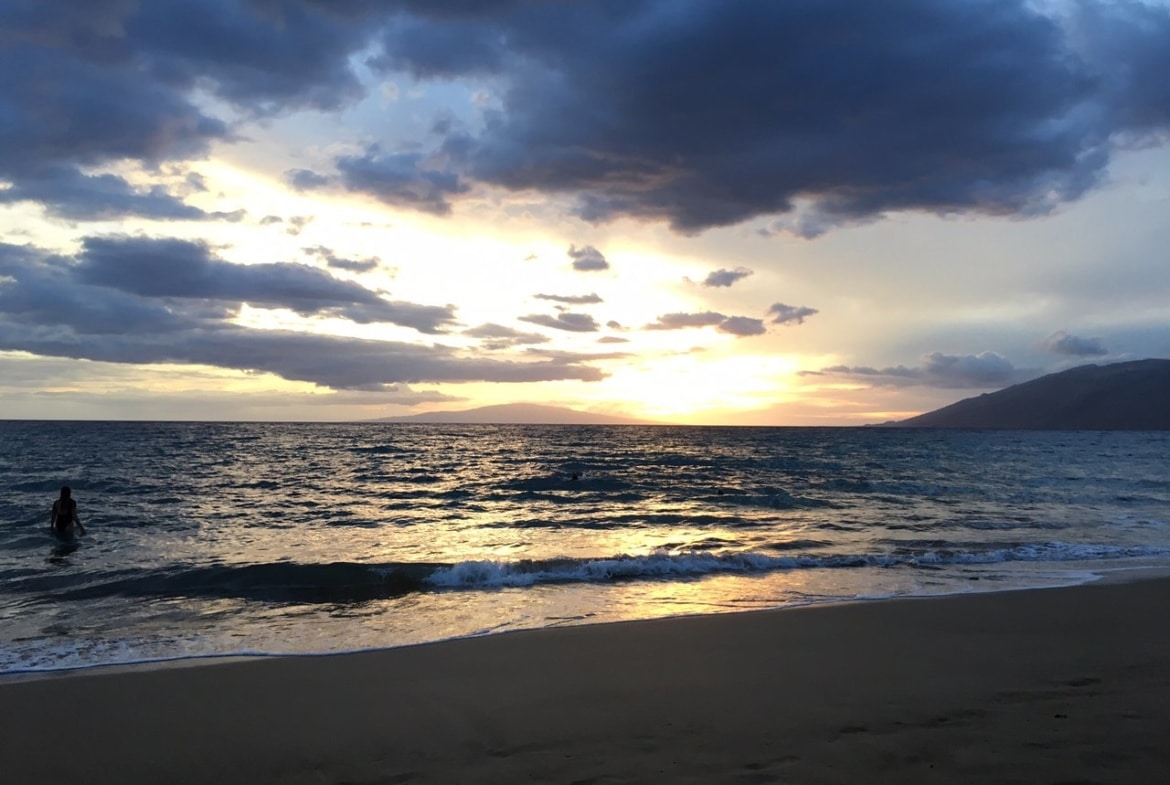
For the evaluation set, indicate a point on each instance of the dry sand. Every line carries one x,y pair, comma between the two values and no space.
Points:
1058,686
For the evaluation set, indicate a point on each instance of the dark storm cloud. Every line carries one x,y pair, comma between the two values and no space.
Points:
726,277
265,56
42,293
150,267
986,370
1062,343
63,104
790,314
95,307
1131,36
570,299
711,112
700,113
65,192
455,48
90,82
587,259
401,180
570,322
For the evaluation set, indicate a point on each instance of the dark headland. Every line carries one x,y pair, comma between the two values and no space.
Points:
1121,396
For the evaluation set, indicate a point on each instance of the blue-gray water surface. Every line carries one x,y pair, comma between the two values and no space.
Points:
209,539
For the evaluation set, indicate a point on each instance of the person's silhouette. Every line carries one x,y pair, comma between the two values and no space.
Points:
64,516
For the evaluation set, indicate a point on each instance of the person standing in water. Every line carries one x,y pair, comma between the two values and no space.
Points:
65,514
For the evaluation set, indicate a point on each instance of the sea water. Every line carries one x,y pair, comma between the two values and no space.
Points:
219,539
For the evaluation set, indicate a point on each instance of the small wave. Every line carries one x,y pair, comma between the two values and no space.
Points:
567,481
662,564
280,582
799,545
347,582
848,485
381,449
774,498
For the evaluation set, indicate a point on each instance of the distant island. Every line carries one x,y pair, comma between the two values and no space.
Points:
1122,396
518,414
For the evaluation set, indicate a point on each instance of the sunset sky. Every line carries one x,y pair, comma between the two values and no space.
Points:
695,211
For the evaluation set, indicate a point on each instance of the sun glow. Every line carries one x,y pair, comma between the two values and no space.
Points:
671,388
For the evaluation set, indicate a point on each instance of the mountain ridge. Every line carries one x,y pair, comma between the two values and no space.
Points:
1132,395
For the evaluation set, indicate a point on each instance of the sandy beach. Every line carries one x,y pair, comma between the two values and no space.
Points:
1056,686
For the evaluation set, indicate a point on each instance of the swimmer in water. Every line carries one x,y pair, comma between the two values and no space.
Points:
65,514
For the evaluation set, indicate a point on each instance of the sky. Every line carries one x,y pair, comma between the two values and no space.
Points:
829,212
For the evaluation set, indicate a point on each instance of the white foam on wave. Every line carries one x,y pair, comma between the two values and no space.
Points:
663,564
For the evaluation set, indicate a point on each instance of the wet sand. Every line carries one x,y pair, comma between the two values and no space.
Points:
1055,686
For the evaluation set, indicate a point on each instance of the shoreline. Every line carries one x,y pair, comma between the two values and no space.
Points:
1035,685
1069,578
1076,578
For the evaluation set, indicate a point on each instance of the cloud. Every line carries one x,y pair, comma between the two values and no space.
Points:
43,293
458,47
398,179
790,314
296,223
183,269
991,107
682,321
726,277
67,193
986,370
577,299
1062,343
563,356
612,339
704,114
326,360
978,370
110,304
91,83
331,259
68,102
495,337
266,56
742,326
587,259
305,179
571,322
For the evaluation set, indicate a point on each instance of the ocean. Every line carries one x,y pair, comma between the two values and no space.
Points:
257,539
